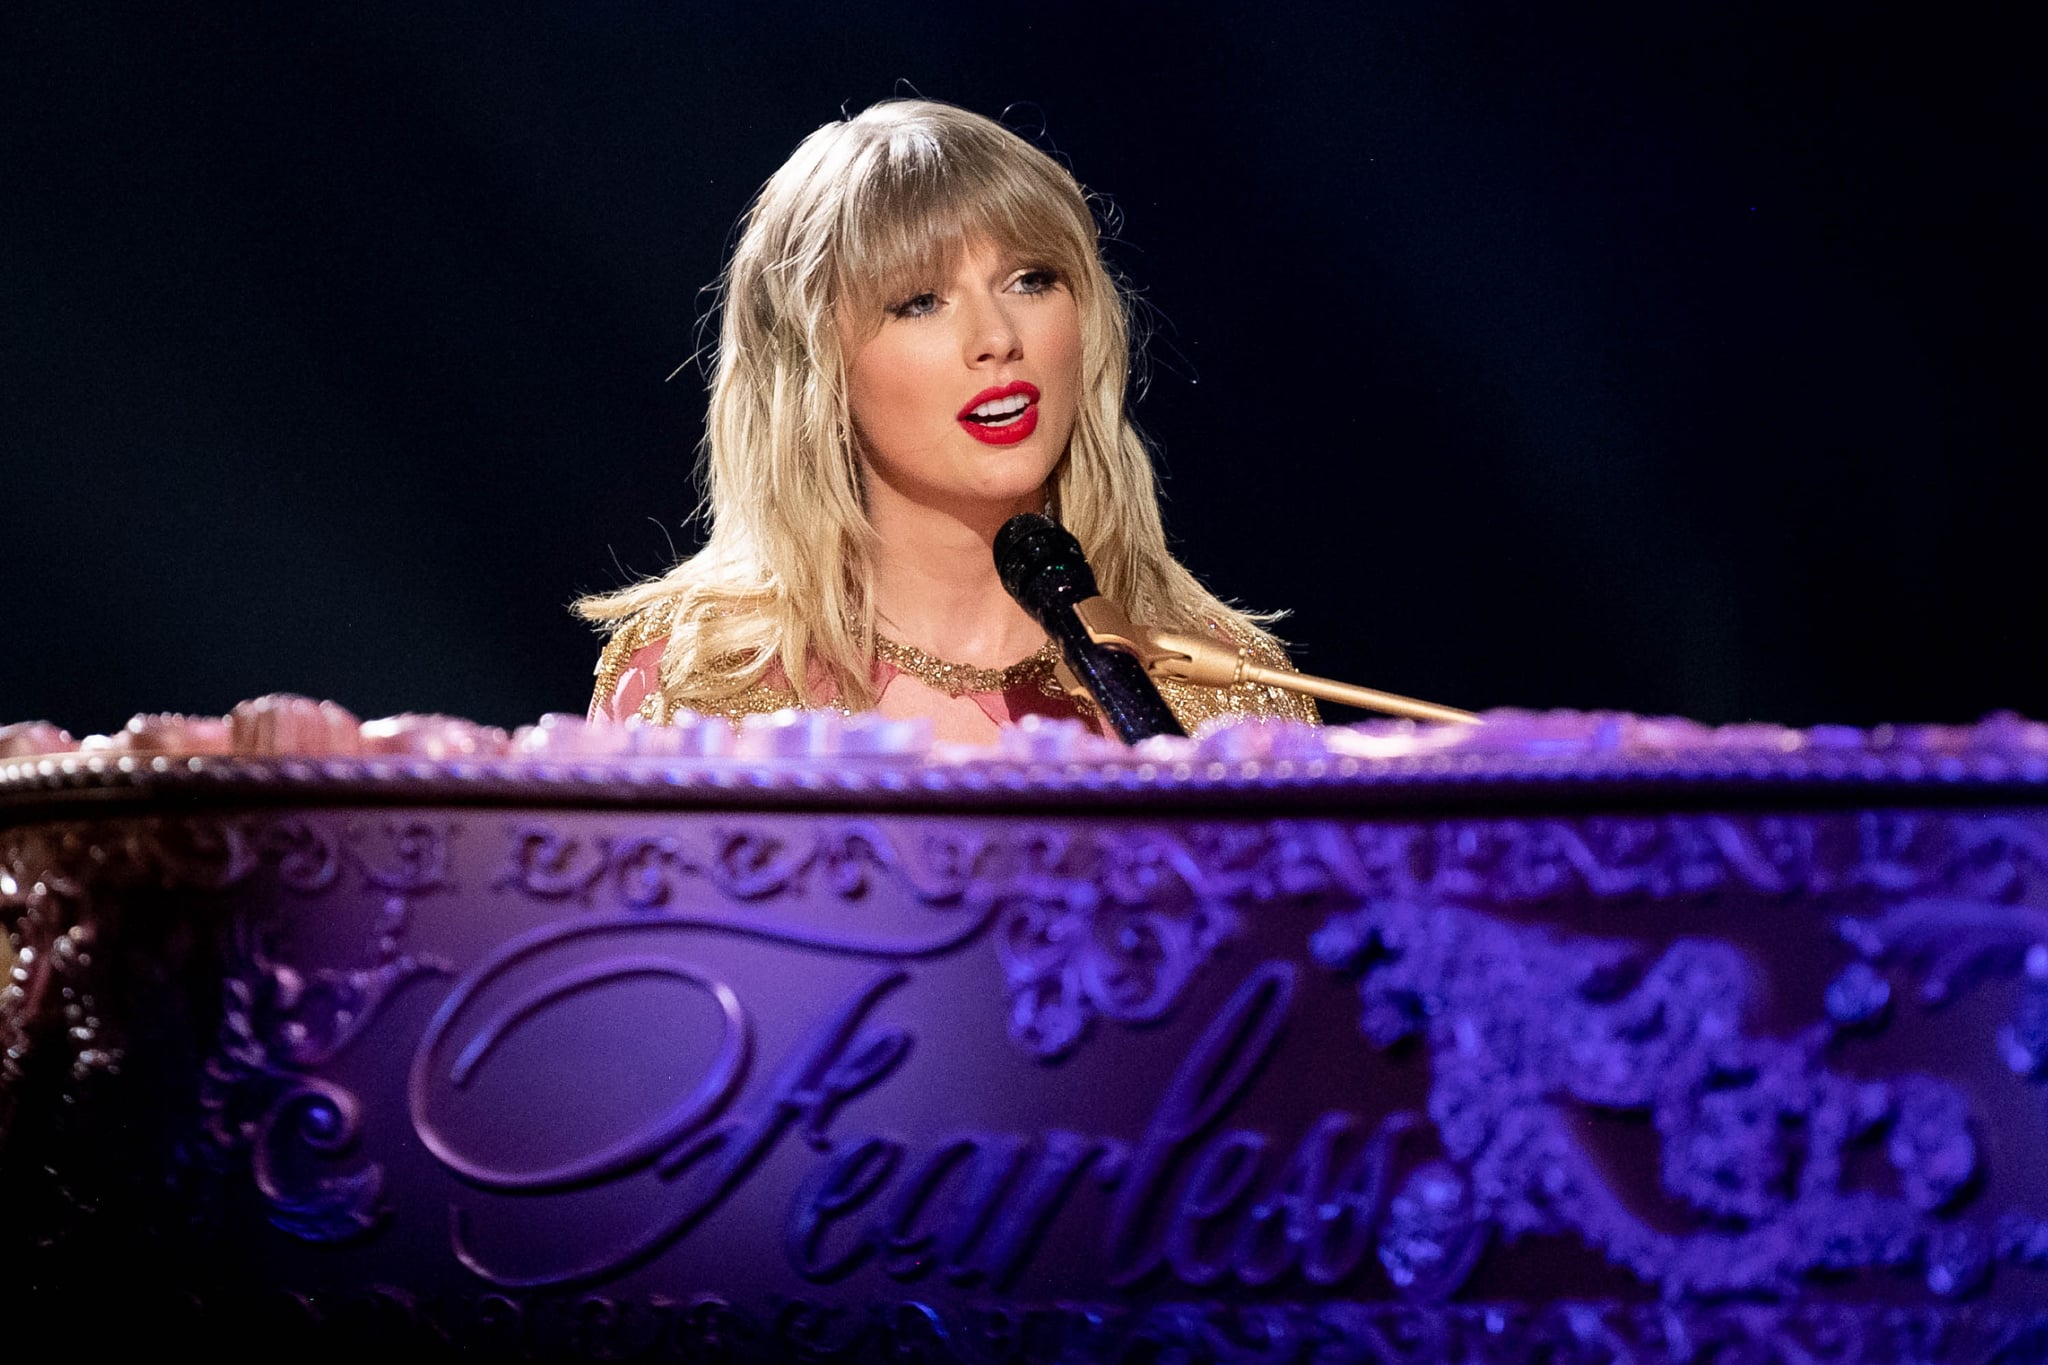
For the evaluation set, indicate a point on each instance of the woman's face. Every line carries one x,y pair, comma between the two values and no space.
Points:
964,395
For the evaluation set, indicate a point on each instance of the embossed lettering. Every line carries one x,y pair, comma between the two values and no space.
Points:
626,1153
841,1059
1216,1072
1066,1158
839,1188
986,1165
1225,1171
1271,1237
1339,1234
810,1087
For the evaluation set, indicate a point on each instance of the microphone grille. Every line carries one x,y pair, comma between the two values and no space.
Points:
1035,554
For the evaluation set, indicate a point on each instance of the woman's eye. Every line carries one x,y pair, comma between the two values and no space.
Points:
1037,281
916,306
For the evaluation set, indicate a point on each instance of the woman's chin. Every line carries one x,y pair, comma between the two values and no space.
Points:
977,490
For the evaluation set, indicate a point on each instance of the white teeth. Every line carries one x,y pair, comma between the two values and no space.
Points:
1001,407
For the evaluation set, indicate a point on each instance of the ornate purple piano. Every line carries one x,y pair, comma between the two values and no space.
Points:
1568,1038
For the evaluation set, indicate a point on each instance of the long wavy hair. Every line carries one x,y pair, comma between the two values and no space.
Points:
864,209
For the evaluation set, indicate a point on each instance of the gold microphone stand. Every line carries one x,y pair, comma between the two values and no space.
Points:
1182,656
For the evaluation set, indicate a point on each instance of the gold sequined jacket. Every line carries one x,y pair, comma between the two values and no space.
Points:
1191,704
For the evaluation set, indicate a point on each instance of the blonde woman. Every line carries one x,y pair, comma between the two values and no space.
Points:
918,341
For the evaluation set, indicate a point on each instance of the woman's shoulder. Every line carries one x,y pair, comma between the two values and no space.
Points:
629,666
629,677
1194,705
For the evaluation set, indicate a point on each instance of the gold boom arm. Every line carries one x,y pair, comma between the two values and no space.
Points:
1187,657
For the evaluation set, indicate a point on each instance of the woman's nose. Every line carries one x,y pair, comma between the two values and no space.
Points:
992,339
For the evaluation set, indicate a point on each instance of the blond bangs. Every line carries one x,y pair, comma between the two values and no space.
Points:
917,205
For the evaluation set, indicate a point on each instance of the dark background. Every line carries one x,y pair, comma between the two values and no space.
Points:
1667,359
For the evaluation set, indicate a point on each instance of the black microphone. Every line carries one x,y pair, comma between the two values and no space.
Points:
1042,566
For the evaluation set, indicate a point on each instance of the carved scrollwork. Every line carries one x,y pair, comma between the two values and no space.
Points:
49,978
1774,1159
1432,1237
1113,925
1110,925
261,1094
1525,1024
746,864
302,1130
1753,1132
1651,858
1952,946
31,918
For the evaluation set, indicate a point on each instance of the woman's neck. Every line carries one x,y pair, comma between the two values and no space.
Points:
936,587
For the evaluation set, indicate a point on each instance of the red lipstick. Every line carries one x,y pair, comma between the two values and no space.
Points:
1011,429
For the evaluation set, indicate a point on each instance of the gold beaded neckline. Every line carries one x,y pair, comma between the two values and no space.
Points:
957,680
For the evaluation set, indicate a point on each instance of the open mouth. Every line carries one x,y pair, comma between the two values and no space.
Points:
1002,415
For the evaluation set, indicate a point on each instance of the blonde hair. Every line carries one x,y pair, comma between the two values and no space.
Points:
865,206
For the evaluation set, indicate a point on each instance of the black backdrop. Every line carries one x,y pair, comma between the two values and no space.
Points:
1675,359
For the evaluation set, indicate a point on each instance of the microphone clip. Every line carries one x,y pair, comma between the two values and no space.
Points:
1187,657
1173,655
